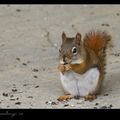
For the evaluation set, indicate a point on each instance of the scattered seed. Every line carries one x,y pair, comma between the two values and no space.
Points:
18,59
35,70
43,69
35,76
11,95
105,24
103,107
37,86
111,105
30,96
73,25
12,99
96,103
105,94
117,14
18,10
18,103
28,62
24,64
117,54
54,103
5,94
17,98
25,84
14,90
66,105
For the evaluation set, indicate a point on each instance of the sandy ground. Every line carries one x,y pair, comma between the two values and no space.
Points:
30,36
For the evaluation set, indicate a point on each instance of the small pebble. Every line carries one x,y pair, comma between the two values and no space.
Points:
25,84
105,94
52,102
72,105
55,45
117,54
48,102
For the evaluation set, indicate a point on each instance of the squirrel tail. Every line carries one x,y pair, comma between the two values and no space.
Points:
97,41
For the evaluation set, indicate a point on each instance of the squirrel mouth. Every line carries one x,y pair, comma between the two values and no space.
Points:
65,62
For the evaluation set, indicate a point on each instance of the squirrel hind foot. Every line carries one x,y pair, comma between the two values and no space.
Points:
90,97
65,97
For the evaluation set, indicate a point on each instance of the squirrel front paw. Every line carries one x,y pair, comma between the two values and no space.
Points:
62,68
67,67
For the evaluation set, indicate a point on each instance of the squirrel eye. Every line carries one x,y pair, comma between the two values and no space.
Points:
74,50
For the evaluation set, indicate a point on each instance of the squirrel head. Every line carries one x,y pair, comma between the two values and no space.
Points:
71,51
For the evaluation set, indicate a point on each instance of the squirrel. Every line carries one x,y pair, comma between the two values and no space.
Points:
82,64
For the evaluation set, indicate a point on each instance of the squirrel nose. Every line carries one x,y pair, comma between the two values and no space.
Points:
66,60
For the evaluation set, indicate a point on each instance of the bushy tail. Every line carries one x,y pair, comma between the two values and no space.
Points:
97,41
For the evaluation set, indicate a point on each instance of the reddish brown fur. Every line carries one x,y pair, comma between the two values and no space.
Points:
97,42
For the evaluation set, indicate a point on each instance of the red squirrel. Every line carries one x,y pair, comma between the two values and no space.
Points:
82,64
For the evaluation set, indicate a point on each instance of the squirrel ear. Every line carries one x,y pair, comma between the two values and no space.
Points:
63,37
78,38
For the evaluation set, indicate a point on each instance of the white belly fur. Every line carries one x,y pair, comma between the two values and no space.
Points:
82,85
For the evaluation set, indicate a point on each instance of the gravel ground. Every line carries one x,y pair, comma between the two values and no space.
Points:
30,36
